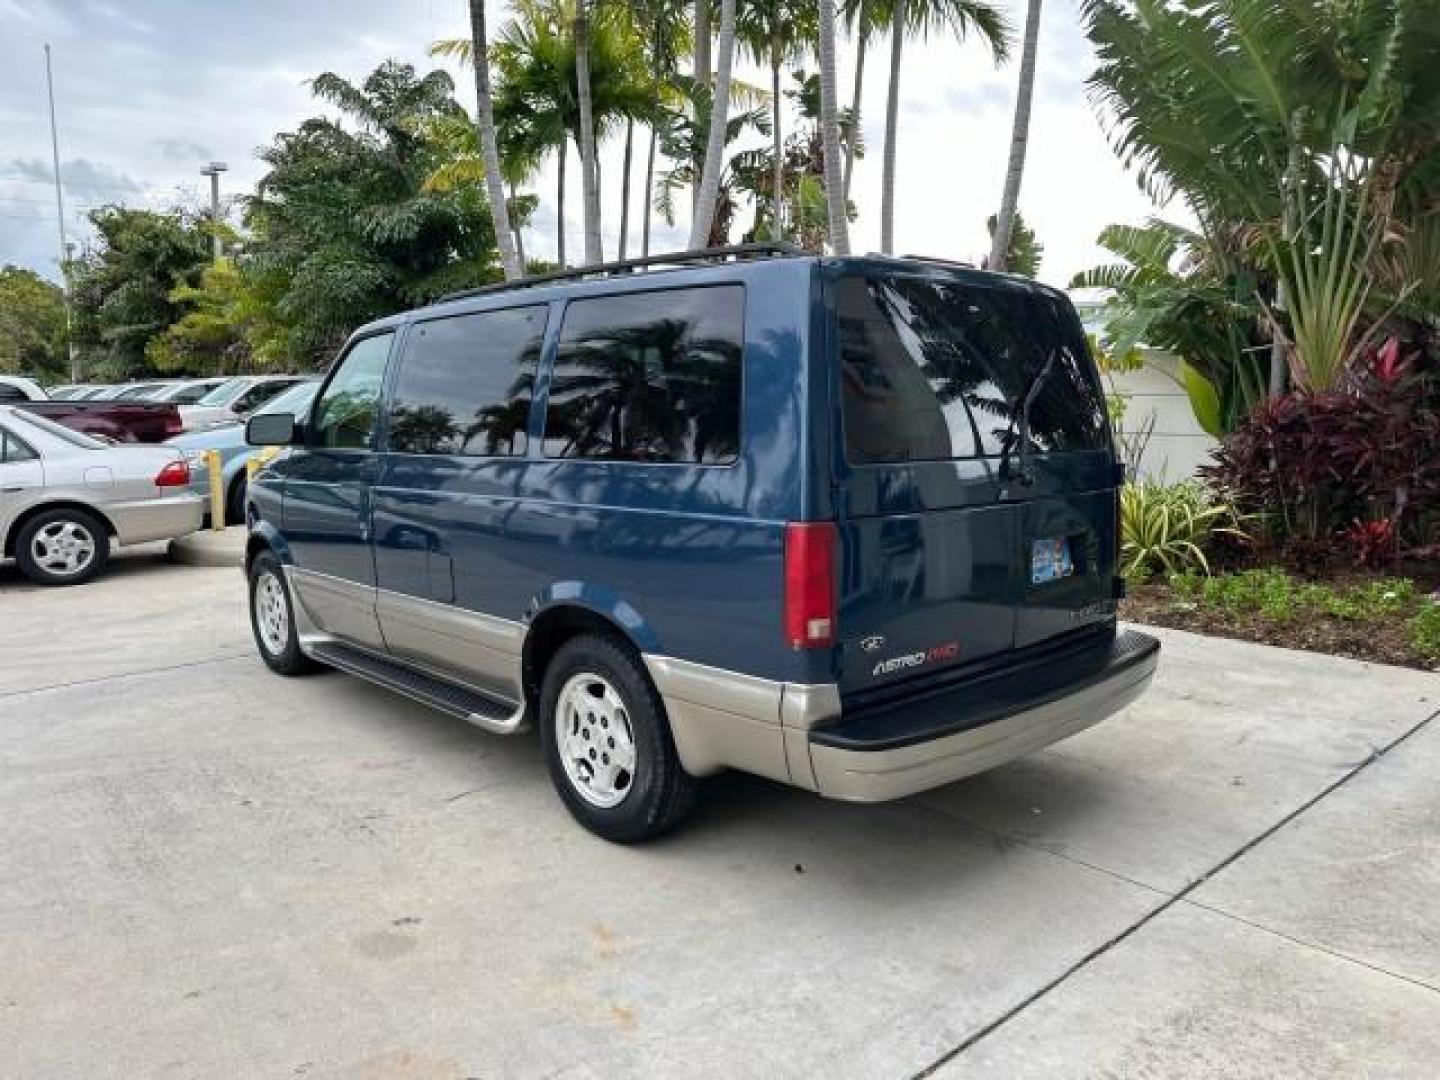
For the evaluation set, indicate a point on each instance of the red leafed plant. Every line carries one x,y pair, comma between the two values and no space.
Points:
1311,464
1373,543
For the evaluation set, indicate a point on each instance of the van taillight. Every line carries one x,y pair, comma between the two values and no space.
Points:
175,474
810,584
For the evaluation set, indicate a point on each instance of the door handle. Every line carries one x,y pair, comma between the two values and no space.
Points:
12,490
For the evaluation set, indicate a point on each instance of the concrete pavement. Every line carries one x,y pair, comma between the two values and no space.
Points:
207,870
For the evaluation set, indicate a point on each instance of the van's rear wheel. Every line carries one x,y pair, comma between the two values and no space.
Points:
608,744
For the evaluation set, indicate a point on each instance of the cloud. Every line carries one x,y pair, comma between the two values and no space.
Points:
182,150
147,90
84,179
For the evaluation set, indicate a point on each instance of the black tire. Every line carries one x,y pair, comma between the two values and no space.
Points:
235,501
660,792
286,659
83,524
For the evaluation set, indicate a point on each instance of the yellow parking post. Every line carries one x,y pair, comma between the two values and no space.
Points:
217,490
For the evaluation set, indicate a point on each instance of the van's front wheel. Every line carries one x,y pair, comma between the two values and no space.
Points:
608,744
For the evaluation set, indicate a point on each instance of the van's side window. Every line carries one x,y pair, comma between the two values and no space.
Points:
651,376
465,384
937,369
346,413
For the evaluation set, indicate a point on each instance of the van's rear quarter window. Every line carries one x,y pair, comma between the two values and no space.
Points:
650,377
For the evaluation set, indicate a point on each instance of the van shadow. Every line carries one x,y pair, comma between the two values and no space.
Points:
903,854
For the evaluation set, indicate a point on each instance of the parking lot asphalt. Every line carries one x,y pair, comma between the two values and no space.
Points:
210,871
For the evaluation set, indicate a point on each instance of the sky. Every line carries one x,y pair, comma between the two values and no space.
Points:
148,91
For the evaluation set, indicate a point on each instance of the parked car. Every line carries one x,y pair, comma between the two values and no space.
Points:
235,399
229,441
64,497
67,391
117,421
15,388
185,391
135,391
849,523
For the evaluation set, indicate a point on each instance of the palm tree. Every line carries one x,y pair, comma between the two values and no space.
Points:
661,29
589,170
685,141
864,17
709,187
1019,137
830,133
773,32
922,17
485,122
537,101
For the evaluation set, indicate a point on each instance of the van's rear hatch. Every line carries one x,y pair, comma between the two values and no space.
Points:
963,538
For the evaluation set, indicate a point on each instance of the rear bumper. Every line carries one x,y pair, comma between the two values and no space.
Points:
155,519
875,759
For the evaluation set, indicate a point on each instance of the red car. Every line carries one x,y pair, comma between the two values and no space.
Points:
120,421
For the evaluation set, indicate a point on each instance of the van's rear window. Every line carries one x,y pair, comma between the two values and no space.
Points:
936,370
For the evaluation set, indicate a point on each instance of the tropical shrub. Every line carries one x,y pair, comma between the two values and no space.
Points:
1309,465
1425,630
1168,526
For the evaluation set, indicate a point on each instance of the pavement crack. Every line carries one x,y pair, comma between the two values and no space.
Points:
6,695
1100,950
1316,946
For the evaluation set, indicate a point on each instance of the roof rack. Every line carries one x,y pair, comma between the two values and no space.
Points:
940,262
698,257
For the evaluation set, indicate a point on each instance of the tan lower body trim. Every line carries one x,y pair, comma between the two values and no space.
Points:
878,775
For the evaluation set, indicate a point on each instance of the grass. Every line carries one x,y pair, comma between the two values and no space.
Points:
1375,618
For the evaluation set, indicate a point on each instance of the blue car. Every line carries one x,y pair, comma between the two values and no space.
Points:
229,440
846,523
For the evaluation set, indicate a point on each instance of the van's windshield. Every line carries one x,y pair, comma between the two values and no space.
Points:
938,370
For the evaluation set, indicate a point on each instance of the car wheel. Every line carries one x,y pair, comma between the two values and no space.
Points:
272,618
62,547
608,744
235,501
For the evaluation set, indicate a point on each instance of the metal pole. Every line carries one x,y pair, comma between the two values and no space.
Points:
215,212
60,217
213,170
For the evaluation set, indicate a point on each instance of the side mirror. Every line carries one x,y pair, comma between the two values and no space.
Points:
271,429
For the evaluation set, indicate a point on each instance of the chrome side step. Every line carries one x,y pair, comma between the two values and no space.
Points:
489,713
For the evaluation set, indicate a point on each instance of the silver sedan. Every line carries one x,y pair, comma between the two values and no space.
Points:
64,497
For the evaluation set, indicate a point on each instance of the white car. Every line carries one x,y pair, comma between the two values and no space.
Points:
186,391
65,496
234,399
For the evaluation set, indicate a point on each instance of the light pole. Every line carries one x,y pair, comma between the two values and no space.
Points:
213,170
60,217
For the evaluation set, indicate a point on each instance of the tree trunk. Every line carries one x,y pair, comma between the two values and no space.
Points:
715,145
1019,138
589,177
702,66
625,189
777,228
519,232
485,122
560,204
830,132
862,40
649,196
892,117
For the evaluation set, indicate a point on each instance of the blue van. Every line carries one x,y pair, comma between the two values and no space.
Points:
846,523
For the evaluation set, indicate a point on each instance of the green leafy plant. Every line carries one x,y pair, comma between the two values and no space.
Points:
1166,527
1425,630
